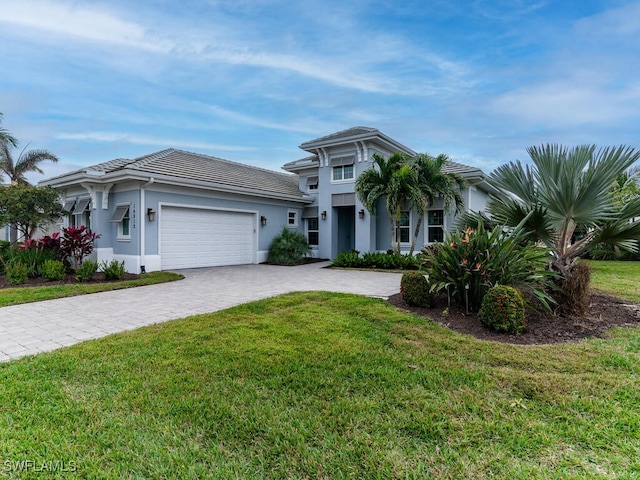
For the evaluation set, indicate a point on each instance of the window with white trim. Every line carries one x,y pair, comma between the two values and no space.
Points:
403,228
435,226
292,218
342,172
312,231
81,214
122,217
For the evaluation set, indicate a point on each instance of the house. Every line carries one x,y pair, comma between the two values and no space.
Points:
175,209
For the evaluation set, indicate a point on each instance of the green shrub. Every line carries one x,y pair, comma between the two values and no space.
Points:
113,270
288,248
414,288
470,262
86,270
32,257
383,261
17,273
503,310
53,270
348,259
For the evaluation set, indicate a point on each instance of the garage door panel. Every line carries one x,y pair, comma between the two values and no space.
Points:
192,238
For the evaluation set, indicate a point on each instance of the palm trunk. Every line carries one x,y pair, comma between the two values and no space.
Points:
392,224
415,235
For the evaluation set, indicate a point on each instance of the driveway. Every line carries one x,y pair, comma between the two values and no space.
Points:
44,326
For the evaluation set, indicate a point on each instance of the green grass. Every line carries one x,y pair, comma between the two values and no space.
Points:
621,279
14,296
319,385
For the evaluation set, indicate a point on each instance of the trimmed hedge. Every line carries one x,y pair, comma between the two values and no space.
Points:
503,310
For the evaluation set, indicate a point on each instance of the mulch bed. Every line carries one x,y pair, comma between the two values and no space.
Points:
42,282
604,313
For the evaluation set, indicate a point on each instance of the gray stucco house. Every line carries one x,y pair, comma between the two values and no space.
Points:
175,209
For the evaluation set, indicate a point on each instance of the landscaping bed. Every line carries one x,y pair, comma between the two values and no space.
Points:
605,312
98,277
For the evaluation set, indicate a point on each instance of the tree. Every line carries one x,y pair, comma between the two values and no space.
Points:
564,191
433,183
25,207
16,170
6,137
395,180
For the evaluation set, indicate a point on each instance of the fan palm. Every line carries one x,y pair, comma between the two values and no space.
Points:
567,191
433,183
395,180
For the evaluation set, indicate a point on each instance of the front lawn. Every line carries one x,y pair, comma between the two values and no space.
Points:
319,385
14,296
621,279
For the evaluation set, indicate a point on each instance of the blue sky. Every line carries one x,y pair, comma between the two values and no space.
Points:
250,80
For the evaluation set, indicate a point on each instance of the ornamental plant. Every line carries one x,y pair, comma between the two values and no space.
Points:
288,248
503,310
86,271
53,270
113,270
77,243
469,262
414,288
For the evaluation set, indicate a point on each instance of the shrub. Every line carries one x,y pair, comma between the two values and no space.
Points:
17,273
32,255
503,310
53,270
86,271
288,248
470,262
415,289
113,270
77,243
384,261
348,259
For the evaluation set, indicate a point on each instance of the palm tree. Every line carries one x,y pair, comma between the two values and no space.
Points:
568,191
6,137
16,170
433,183
393,179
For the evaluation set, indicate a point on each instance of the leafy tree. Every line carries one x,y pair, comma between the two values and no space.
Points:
25,207
16,169
433,184
395,180
567,191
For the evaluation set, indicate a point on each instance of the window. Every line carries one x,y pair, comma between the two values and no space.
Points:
342,172
292,218
312,231
81,214
435,226
403,229
122,217
312,183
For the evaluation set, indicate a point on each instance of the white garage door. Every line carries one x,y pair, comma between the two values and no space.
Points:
191,237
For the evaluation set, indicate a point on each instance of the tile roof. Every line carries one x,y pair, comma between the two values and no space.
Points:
204,168
350,132
461,169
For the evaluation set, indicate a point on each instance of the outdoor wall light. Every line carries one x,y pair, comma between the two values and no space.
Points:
361,214
324,214
151,213
263,221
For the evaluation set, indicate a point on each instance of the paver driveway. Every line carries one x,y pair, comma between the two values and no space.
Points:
44,326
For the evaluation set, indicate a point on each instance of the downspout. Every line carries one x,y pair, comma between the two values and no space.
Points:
143,223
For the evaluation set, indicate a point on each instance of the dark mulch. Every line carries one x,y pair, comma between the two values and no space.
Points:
42,282
604,313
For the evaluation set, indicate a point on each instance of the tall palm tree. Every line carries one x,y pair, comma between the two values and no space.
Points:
26,162
393,179
16,170
568,191
6,137
433,183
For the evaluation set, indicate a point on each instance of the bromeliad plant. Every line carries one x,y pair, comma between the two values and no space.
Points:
469,262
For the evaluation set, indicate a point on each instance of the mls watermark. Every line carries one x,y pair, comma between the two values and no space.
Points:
40,466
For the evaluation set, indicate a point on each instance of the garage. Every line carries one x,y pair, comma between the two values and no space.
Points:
194,237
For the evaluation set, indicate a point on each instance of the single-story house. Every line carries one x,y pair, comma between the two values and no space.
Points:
175,209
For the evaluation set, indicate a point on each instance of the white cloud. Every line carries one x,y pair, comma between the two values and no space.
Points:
133,139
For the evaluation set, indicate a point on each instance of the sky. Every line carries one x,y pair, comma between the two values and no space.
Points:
250,80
